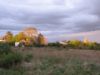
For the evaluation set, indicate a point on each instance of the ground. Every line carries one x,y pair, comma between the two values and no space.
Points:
61,61
90,55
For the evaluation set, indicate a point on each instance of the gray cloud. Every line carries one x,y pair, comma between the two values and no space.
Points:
68,15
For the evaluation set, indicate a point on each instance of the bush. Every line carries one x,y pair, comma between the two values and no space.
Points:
12,43
97,46
5,48
74,43
7,57
11,72
57,44
10,60
28,57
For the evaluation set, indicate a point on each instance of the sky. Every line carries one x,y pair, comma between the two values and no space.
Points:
51,17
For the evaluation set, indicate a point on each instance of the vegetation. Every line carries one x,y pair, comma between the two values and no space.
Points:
10,61
28,57
42,61
51,61
39,58
11,72
5,48
76,44
30,38
8,37
57,44
41,40
54,66
20,36
8,58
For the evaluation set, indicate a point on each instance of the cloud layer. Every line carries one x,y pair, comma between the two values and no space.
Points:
53,16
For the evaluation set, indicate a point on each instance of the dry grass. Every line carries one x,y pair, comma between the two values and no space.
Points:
61,61
90,55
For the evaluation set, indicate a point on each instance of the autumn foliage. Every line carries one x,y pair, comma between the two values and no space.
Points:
28,37
42,40
8,37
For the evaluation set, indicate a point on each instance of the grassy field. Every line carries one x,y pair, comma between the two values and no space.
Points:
59,61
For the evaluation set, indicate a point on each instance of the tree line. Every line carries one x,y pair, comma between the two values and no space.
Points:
23,39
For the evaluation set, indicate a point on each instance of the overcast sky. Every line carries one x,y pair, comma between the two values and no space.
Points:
51,16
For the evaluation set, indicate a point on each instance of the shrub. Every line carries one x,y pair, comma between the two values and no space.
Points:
74,44
94,46
5,48
11,72
57,44
10,60
91,46
28,57
97,46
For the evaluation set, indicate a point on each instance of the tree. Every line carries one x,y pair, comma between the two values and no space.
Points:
31,35
29,41
8,37
74,43
42,40
30,31
19,37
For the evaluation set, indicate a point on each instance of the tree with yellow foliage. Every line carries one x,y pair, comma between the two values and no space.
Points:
20,36
29,41
8,37
42,40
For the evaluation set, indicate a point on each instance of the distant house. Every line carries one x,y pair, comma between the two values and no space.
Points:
63,43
